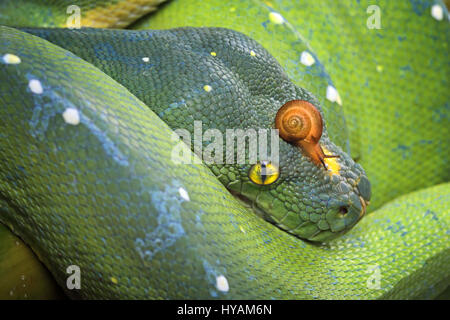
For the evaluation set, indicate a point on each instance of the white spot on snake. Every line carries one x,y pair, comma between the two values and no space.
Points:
45,109
276,18
146,59
169,228
183,193
11,59
252,53
207,88
437,12
215,277
222,283
333,95
307,59
35,86
71,116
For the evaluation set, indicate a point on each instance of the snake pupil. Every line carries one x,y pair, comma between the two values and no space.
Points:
263,172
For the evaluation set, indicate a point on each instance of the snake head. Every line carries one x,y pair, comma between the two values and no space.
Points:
300,124
313,190
311,193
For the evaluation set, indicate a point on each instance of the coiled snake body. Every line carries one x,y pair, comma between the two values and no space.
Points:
87,177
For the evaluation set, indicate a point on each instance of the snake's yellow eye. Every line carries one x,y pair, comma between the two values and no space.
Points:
263,173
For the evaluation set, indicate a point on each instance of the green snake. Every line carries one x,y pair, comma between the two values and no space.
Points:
87,176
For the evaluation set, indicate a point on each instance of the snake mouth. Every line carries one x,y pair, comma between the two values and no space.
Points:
364,204
349,213
365,193
253,206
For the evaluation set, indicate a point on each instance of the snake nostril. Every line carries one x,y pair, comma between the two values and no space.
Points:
343,210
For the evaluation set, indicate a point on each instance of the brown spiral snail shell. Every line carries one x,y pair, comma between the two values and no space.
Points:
300,123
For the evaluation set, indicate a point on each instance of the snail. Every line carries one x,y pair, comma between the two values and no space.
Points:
300,123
